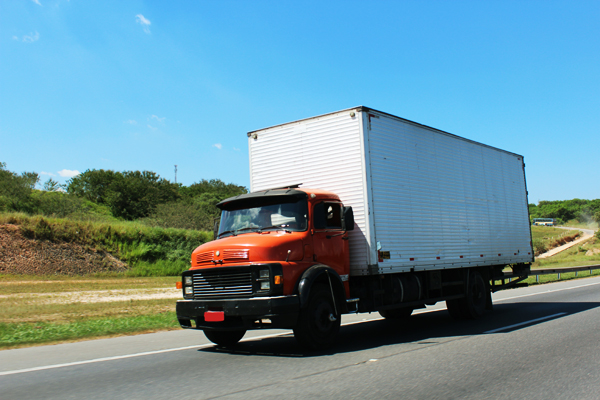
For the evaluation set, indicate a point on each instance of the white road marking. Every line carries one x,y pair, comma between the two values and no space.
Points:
96,360
531,321
202,346
146,353
547,291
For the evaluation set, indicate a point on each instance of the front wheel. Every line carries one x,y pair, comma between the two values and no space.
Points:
224,338
318,324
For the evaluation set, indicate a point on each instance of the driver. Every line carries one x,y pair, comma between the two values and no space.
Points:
264,217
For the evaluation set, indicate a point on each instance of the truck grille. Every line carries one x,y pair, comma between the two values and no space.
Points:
209,284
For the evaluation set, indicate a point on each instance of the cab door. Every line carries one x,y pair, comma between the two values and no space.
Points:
330,240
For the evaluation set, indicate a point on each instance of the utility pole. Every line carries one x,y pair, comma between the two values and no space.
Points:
175,173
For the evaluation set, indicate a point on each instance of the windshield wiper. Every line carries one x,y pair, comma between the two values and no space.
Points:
223,233
246,228
274,227
235,232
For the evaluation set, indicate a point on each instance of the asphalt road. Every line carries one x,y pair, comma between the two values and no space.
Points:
538,343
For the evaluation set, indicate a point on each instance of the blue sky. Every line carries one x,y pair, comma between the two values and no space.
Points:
145,85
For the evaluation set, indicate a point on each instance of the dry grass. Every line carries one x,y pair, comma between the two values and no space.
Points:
11,284
19,310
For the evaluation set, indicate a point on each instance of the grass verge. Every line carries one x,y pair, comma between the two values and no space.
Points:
546,238
33,315
13,335
587,253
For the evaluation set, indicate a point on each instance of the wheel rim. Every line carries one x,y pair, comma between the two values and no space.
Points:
322,321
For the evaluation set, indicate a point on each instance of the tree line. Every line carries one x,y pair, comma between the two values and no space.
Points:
584,211
100,194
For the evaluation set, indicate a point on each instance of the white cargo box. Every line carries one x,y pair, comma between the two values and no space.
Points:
428,199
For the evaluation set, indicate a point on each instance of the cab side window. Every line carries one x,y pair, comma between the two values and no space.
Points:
328,216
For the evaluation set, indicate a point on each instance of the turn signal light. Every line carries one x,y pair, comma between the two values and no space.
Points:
178,285
278,279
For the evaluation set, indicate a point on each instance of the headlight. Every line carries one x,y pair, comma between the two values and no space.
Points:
264,273
189,290
188,280
265,285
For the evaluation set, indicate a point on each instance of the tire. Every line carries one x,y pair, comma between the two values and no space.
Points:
318,324
474,304
454,308
224,338
477,296
396,313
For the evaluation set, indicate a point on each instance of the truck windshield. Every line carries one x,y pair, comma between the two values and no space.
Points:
285,215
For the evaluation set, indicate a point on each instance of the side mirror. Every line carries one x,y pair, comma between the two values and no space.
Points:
348,219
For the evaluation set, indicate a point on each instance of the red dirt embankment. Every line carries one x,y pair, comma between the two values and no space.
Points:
20,255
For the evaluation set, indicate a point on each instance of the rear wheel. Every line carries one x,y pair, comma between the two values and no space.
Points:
318,324
473,305
454,308
477,295
224,338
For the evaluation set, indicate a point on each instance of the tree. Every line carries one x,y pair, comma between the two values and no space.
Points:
129,195
15,189
92,184
215,186
52,186
597,217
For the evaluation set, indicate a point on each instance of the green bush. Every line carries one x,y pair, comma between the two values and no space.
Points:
183,214
64,205
539,247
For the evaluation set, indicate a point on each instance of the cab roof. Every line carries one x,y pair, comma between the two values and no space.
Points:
256,199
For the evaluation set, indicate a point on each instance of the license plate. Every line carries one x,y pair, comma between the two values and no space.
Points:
214,316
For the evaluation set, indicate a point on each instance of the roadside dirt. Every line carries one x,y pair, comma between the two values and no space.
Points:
20,255
24,256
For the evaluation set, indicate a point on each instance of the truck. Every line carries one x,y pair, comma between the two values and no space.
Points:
359,211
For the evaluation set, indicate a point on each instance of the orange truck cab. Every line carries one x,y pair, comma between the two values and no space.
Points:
280,260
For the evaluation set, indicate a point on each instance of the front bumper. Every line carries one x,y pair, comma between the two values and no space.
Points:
247,313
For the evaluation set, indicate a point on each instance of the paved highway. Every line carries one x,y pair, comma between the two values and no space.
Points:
538,343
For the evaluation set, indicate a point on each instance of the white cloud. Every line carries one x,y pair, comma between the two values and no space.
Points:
218,146
140,19
67,173
47,173
151,127
236,149
32,37
37,2
158,118
130,122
